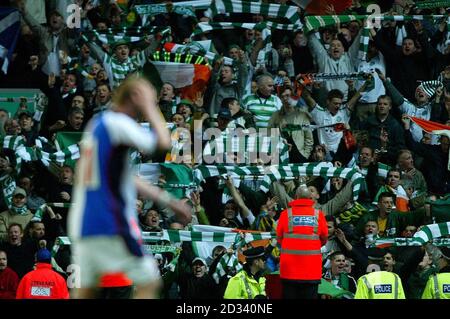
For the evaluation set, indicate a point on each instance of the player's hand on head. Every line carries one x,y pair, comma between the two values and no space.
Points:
183,212
143,95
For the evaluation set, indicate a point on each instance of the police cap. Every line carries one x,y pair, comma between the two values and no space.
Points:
253,253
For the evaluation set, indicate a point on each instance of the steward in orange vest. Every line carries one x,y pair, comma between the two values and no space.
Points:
301,231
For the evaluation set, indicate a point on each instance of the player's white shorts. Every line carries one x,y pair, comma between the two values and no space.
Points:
109,254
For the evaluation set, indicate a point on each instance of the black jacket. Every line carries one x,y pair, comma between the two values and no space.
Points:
395,133
406,71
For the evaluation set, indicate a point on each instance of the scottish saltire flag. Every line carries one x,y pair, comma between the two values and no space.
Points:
9,32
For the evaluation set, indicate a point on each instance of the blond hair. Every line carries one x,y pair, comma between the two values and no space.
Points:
123,93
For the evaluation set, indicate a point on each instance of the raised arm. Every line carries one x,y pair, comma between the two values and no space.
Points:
242,72
317,49
354,48
246,213
153,44
96,51
37,28
309,99
397,98
338,202
428,51
351,104
388,49
182,211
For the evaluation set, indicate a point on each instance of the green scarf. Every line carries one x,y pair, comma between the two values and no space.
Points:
343,281
19,210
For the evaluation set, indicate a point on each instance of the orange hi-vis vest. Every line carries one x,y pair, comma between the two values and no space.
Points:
301,231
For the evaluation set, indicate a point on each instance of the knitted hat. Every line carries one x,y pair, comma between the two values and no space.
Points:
429,87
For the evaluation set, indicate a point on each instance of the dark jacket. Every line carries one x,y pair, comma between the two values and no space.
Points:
395,132
20,258
406,71
192,287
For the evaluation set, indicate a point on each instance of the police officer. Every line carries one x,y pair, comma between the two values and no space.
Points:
438,285
249,282
301,231
378,284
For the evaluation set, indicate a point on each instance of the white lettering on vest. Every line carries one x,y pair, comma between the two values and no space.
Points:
304,220
383,289
446,288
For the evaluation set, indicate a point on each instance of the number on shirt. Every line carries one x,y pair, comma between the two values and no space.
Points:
89,163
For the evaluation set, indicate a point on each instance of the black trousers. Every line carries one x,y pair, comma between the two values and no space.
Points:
298,290
125,292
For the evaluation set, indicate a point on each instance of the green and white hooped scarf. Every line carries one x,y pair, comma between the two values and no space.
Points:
19,210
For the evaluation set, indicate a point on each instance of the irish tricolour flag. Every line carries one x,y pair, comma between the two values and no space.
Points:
433,128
